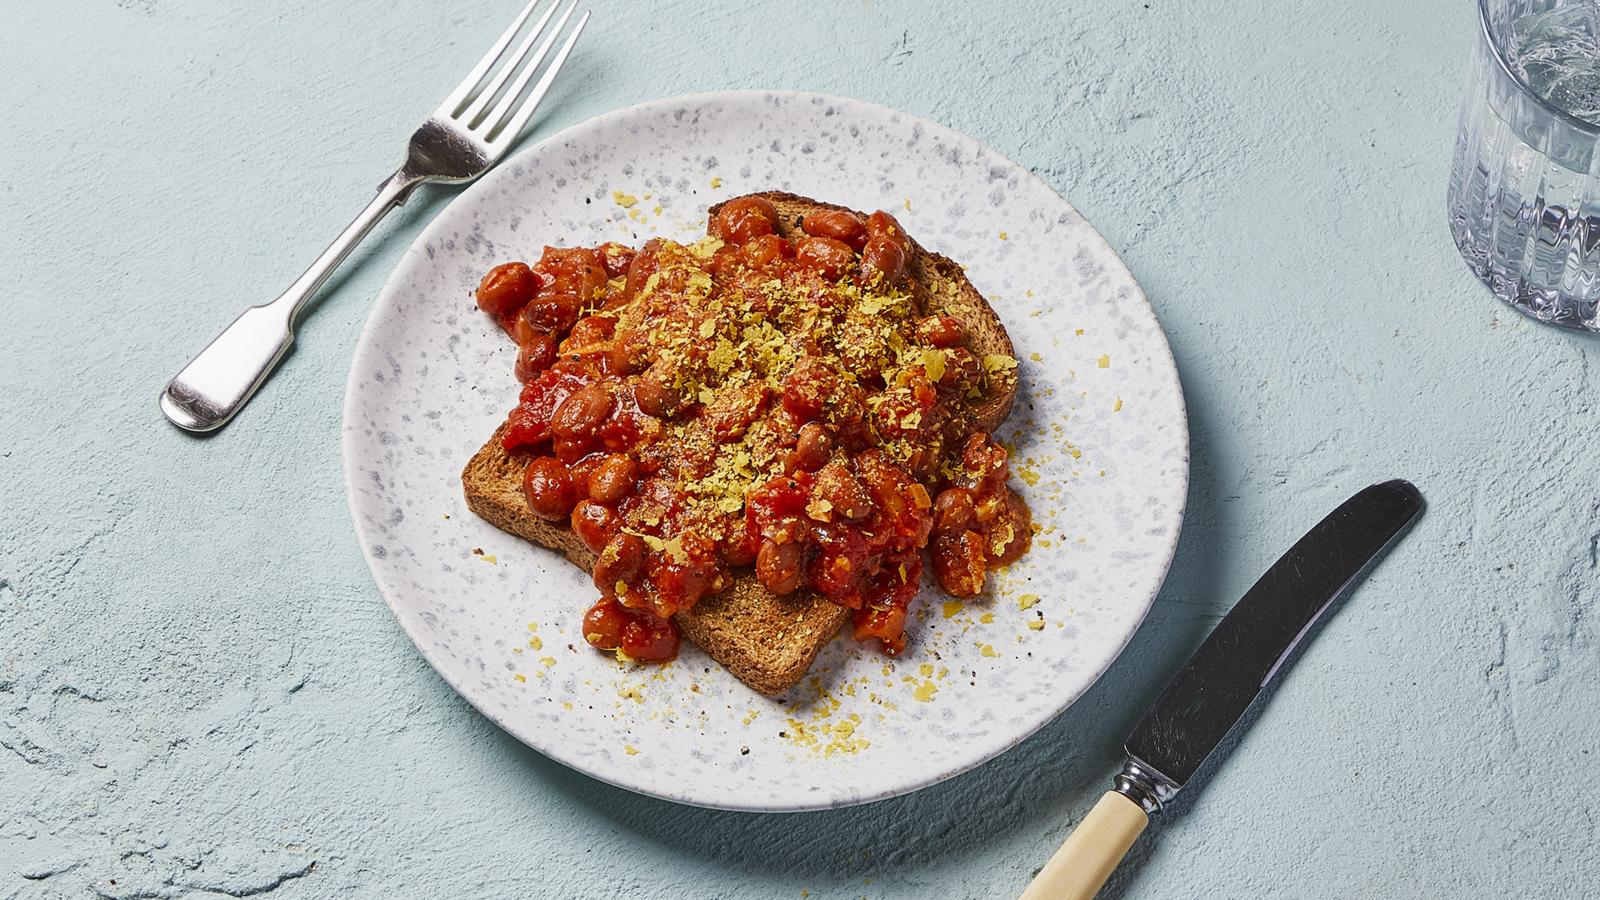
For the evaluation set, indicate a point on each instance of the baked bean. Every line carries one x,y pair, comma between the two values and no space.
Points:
548,488
888,625
743,218
764,251
616,258
582,413
842,558
655,392
612,479
645,263
590,332
551,312
841,225
778,567
812,449
650,639
578,271
593,524
727,258
506,288
629,353
881,223
961,368
984,464
535,356
952,511
848,499
958,563
847,406
621,562
581,469
604,624
825,256
677,586
883,262
1011,532
941,331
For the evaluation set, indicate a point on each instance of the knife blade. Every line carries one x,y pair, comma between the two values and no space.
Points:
1244,654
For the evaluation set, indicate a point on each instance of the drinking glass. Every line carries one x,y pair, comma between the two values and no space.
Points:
1524,198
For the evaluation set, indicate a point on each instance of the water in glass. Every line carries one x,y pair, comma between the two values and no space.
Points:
1524,200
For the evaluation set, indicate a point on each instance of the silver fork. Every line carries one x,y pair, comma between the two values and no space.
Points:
469,132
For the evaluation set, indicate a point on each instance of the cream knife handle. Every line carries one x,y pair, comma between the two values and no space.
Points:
1091,852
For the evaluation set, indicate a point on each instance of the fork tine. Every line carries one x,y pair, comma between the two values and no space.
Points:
474,114
509,128
482,116
458,98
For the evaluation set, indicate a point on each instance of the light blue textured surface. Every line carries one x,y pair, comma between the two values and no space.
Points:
201,692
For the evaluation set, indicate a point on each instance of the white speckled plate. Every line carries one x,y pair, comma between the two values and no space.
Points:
1099,429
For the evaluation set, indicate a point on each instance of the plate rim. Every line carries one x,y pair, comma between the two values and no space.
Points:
801,803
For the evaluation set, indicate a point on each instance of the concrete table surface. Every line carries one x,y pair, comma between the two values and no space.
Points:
201,692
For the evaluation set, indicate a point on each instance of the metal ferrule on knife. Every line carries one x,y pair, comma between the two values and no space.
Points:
1145,786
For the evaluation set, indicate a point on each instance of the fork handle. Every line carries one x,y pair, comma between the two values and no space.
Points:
218,382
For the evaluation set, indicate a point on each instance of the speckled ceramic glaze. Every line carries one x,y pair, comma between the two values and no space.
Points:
1101,453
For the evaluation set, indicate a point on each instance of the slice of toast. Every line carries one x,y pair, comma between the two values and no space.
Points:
765,640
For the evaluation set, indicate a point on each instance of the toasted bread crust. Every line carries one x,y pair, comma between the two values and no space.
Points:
765,640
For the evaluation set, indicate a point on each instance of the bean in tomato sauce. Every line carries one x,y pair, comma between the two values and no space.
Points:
777,403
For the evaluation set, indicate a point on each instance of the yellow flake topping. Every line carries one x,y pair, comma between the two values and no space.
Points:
998,363
819,510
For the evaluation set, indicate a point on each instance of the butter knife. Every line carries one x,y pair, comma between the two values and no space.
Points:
1212,692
